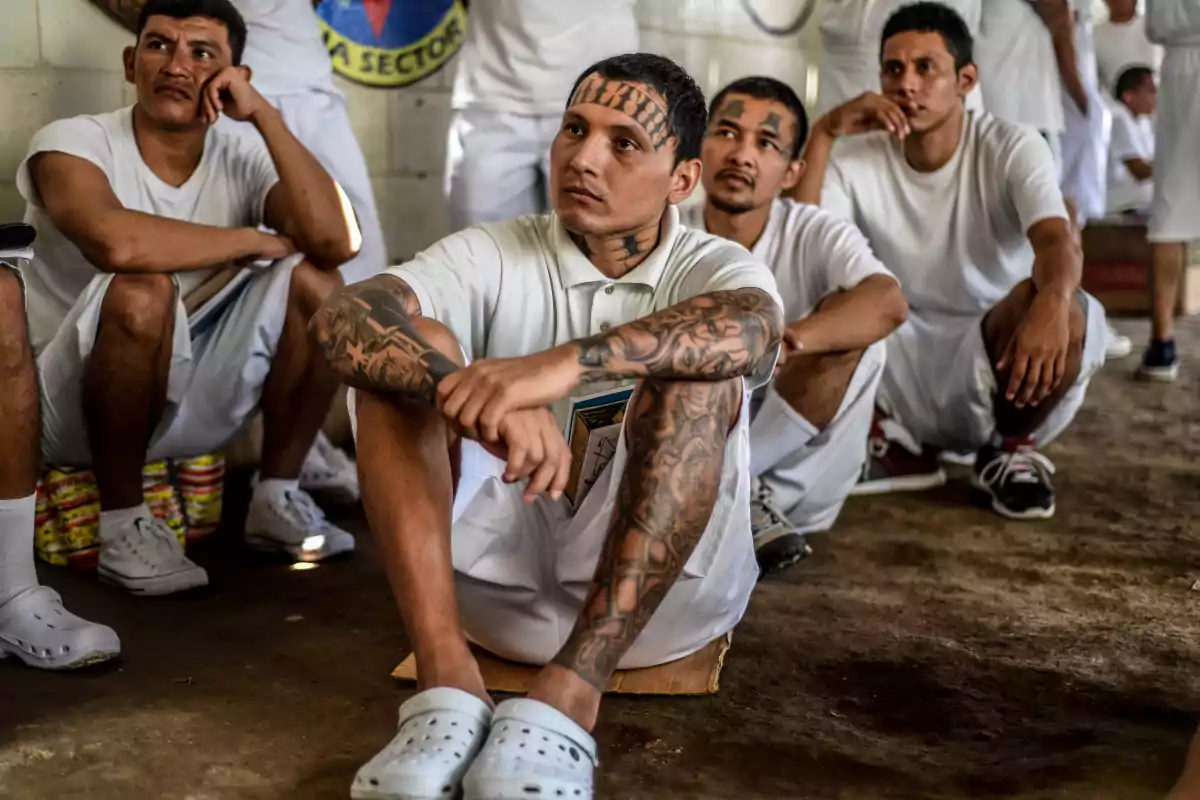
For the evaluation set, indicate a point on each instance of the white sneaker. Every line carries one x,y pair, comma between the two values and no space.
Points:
1116,345
294,525
36,628
145,557
777,545
329,471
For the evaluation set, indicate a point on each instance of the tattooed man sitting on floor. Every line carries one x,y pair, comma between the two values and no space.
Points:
463,360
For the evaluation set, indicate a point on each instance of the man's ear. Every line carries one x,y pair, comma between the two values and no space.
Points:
793,174
684,180
968,79
128,58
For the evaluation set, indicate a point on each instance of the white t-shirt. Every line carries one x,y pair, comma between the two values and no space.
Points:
1017,66
1123,45
851,36
523,56
1174,23
812,253
1132,137
284,47
229,189
516,288
956,239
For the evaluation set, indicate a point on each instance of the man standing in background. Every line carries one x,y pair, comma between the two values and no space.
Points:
514,72
1121,43
291,69
850,32
1175,210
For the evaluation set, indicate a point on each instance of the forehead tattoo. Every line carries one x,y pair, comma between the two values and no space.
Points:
630,99
734,109
773,122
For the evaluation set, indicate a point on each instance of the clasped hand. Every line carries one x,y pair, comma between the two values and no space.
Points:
502,404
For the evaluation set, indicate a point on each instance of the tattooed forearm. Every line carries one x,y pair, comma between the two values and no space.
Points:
368,335
125,12
676,433
708,338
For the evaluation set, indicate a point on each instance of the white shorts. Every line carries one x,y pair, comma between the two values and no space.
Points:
498,166
216,378
319,120
940,385
522,569
812,483
1175,211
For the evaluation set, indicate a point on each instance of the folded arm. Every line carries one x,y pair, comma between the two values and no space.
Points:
1139,168
711,337
81,203
851,320
366,331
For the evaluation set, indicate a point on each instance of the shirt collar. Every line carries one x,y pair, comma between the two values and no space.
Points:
575,269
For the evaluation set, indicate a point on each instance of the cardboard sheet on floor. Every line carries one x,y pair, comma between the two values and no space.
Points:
699,673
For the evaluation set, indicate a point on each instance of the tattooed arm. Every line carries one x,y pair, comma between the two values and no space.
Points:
710,337
368,334
125,12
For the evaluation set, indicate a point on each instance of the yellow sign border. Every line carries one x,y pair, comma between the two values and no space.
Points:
357,54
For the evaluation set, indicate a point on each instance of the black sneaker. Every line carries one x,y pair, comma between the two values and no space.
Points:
1160,362
1017,478
777,546
897,463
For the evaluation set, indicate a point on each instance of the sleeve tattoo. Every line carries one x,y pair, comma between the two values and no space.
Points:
368,335
711,337
125,12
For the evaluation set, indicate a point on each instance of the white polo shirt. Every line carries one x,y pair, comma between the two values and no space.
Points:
812,253
520,287
956,238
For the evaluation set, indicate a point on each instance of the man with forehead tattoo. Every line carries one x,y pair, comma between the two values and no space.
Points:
808,439
462,363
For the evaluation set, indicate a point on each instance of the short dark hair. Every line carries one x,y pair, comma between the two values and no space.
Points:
686,115
1132,79
220,10
933,18
765,88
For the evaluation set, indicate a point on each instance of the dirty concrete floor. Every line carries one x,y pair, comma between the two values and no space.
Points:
929,650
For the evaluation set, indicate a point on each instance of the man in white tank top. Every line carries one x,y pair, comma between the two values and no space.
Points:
808,439
1175,209
966,211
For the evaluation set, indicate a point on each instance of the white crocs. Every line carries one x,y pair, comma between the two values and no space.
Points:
36,628
441,730
533,751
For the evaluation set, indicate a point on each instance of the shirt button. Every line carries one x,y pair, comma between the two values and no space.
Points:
608,289
604,327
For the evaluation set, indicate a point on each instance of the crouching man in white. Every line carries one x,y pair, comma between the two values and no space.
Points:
808,439
462,351
143,212
34,626
966,211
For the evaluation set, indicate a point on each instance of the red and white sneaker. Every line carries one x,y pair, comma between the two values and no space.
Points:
897,462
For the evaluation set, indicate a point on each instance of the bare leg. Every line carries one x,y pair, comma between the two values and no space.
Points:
125,382
301,384
999,326
405,449
815,385
1164,288
1188,785
19,433
675,433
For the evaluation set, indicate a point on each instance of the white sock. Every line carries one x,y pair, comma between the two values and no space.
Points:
778,430
112,522
17,572
273,489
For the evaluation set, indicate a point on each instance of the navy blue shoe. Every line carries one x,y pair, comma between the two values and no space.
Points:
1160,362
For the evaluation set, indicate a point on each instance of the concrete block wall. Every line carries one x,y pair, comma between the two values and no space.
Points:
63,57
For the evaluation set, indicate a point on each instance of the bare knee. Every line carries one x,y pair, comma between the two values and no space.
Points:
139,305
14,339
805,369
310,287
441,338
672,403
